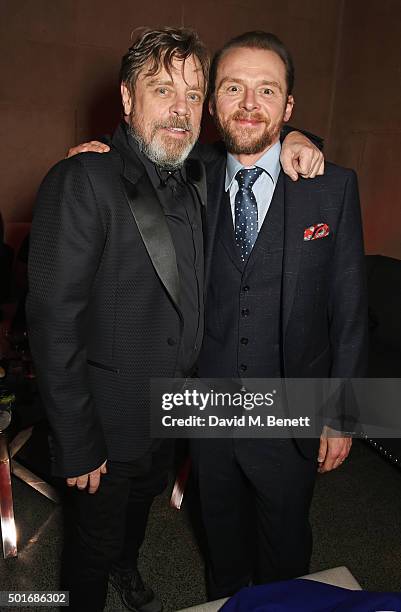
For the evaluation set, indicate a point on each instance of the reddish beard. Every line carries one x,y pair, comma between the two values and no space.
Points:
241,140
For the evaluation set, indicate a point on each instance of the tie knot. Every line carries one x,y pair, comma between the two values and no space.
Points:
246,177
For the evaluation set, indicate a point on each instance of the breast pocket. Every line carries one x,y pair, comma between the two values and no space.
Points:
317,253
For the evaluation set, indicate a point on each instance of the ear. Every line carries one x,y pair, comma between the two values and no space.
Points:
126,99
288,108
211,105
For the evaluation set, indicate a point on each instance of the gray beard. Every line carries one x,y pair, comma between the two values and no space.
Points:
158,155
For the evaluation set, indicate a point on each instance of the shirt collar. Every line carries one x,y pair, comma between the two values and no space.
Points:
269,162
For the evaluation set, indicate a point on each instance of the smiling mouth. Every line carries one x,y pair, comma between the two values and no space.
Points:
179,131
249,122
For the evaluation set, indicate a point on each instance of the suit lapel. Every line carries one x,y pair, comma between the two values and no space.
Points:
196,175
151,221
294,221
216,172
227,234
268,225
149,217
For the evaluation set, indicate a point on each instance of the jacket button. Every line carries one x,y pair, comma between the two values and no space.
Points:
244,340
245,312
243,367
171,341
246,288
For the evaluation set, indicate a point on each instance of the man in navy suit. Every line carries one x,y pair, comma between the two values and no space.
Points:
285,297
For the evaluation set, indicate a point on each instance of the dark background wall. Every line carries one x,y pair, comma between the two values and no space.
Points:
59,61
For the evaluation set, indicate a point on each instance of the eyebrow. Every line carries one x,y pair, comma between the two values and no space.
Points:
153,82
159,82
242,82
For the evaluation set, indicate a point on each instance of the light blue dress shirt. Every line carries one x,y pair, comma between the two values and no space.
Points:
265,185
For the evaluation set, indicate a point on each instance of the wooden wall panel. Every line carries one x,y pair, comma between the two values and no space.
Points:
59,60
366,123
59,63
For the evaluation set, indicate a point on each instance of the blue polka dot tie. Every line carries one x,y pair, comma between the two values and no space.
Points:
246,210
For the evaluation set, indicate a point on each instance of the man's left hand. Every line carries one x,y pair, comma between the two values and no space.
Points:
333,450
300,157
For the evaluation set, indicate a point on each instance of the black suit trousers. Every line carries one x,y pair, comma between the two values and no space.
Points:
255,498
108,527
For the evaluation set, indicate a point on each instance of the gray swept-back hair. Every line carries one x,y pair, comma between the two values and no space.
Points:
161,47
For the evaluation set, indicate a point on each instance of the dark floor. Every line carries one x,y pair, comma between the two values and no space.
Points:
356,519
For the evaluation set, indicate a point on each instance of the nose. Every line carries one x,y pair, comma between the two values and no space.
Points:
180,106
249,101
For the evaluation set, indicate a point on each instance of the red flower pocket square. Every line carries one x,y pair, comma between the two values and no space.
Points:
320,230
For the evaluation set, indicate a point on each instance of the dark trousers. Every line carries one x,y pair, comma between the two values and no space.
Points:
108,527
255,497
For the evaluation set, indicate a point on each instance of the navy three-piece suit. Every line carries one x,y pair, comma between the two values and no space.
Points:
296,308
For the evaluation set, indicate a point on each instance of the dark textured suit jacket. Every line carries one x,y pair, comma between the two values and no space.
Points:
323,303
103,305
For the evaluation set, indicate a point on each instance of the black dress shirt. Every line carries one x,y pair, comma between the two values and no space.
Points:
182,209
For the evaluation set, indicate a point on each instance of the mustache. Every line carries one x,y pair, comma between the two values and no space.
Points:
177,122
241,115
